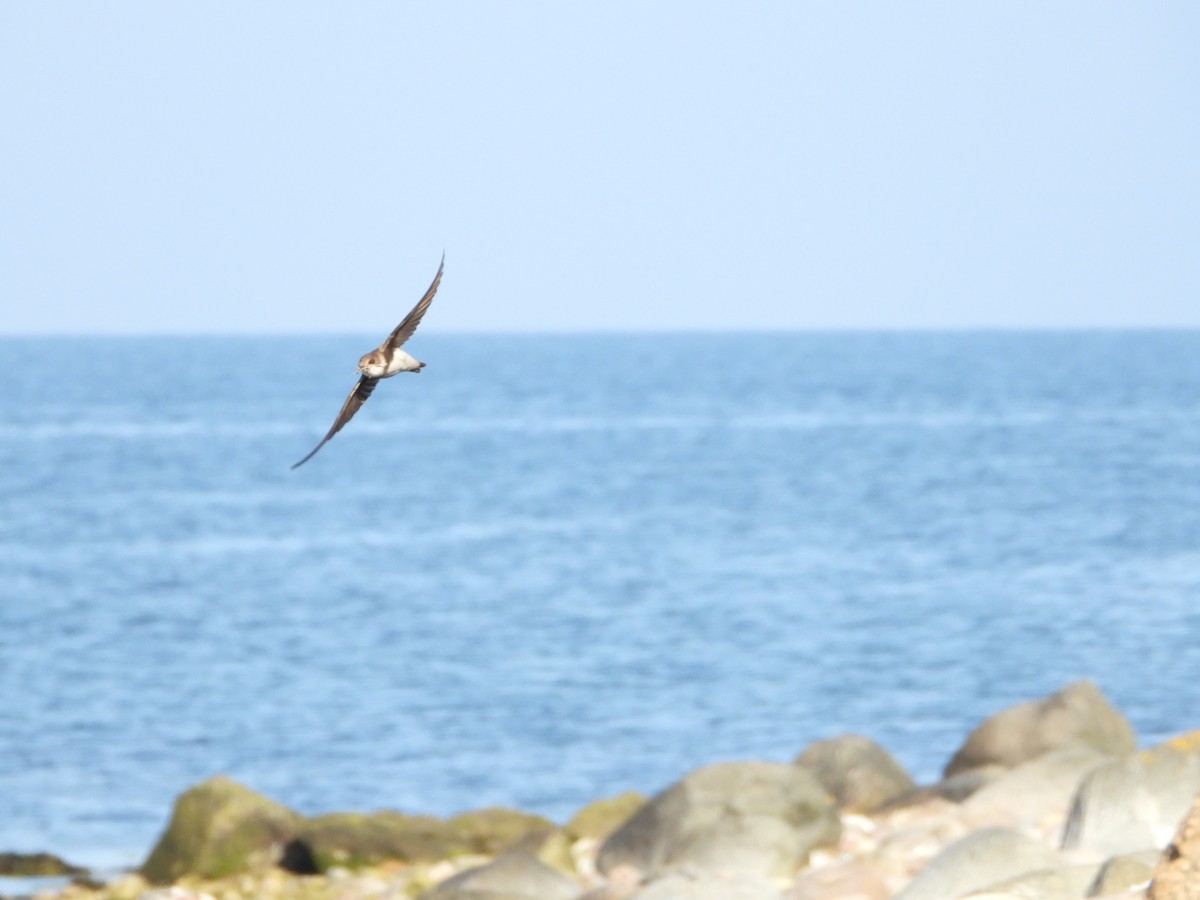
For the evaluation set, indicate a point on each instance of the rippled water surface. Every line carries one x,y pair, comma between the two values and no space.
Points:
551,568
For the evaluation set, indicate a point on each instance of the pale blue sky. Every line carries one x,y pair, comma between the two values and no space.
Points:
232,166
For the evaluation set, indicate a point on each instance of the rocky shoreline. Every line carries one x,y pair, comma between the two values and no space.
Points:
1046,800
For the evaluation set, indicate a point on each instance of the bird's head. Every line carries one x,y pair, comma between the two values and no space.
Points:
372,365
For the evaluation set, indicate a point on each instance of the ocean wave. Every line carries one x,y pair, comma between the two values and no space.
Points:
793,420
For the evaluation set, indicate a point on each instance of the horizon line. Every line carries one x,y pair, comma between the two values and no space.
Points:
616,331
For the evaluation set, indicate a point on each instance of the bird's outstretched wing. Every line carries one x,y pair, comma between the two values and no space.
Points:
406,328
358,396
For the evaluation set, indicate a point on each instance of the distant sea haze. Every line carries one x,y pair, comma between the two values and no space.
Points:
554,568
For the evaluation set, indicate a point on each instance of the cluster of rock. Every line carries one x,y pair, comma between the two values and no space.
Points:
1048,799
36,865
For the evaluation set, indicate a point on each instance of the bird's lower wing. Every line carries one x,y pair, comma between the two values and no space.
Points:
358,396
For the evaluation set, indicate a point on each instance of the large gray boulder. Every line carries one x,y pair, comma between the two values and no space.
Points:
1135,803
754,817
981,859
1078,715
1035,793
858,773
219,828
509,875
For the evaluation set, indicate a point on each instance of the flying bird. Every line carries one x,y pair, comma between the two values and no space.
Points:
383,362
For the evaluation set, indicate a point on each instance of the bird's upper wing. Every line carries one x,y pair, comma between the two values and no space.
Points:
406,328
358,396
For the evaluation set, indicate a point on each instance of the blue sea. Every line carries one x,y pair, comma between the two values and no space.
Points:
552,568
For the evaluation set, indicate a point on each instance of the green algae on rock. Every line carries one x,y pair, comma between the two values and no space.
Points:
600,818
358,840
495,828
35,865
219,828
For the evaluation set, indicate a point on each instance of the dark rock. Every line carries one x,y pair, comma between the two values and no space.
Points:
1078,715
218,828
298,859
762,818
1135,803
860,775
512,874
36,865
